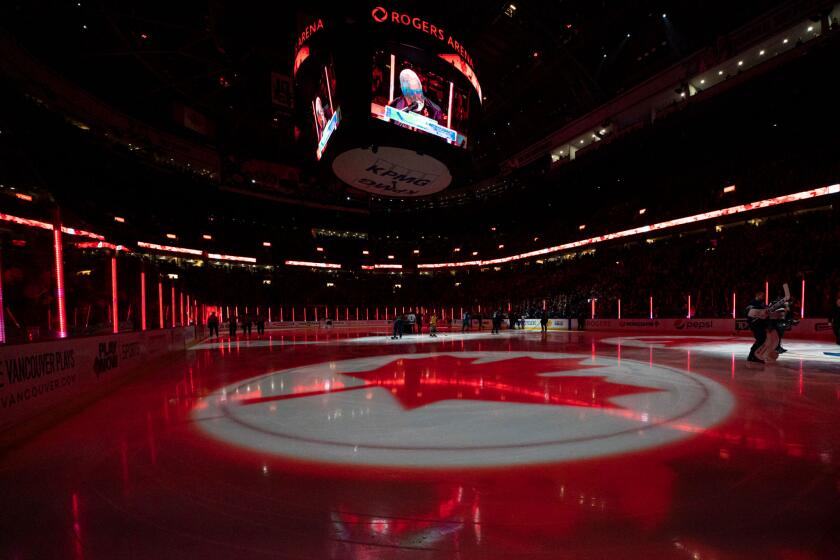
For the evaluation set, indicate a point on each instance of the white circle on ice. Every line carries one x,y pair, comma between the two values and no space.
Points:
370,427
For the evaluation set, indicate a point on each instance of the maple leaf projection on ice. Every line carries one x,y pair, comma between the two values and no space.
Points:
418,382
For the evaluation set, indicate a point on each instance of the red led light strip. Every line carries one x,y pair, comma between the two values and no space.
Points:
114,300
59,284
234,258
169,248
142,300
81,232
312,264
101,245
795,197
160,304
45,225
380,266
25,221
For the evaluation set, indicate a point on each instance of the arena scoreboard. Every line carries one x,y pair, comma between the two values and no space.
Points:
388,99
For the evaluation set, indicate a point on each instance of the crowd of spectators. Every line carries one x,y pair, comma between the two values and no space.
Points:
709,264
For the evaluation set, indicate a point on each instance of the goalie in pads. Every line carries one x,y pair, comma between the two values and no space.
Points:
762,320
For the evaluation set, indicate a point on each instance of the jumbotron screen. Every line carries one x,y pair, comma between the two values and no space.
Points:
325,111
413,96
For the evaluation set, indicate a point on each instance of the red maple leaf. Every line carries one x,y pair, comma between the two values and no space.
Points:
422,381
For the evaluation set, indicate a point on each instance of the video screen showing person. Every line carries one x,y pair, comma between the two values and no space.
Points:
325,113
414,97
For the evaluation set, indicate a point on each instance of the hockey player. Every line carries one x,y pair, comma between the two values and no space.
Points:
759,320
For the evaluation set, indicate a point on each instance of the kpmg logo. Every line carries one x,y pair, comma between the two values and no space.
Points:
392,172
397,174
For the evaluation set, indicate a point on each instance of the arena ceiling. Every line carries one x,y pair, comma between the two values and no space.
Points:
541,64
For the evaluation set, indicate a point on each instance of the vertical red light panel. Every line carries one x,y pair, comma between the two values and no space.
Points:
733,305
115,316
688,313
160,305
59,282
593,308
802,301
173,307
766,292
651,307
142,300
619,308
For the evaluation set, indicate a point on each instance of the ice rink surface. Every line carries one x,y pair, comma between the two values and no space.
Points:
347,444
